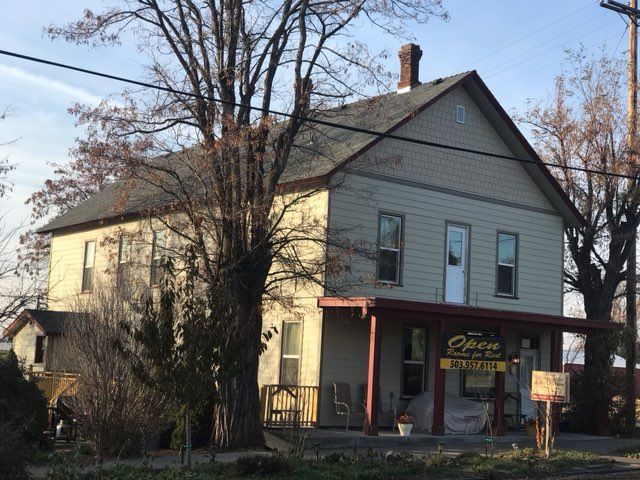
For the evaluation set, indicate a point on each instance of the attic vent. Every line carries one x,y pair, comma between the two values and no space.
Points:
438,81
460,114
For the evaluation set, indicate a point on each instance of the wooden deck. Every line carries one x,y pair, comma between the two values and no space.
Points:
55,384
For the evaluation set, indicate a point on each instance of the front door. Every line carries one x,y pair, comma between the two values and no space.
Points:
456,264
528,363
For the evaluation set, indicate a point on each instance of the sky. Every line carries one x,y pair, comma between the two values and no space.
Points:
517,47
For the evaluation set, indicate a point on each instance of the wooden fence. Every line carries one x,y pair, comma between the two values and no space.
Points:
289,406
55,384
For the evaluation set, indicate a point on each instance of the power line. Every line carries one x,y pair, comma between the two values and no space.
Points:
317,121
511,44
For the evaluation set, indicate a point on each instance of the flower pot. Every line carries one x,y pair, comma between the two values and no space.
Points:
405,429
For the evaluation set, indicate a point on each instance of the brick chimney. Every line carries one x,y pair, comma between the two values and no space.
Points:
410,55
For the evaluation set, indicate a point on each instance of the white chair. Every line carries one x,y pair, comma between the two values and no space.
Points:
342,401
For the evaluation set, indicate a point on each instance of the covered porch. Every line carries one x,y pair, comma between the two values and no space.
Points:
382,362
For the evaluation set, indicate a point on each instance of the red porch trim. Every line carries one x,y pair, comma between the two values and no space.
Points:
373,378
438,389
466,313
499,422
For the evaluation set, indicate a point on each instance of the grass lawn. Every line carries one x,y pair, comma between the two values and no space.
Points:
523,462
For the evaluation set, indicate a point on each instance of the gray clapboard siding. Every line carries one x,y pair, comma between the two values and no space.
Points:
426,213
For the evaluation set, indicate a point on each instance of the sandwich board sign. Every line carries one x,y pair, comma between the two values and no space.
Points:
550,386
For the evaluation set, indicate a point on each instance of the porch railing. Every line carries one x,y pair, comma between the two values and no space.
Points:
55,384
289,406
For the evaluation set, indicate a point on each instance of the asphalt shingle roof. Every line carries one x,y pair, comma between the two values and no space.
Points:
318,150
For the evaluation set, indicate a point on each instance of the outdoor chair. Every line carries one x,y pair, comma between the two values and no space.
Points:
391,411
342,400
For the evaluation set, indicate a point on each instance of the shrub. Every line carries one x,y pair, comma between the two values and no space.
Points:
262,466
23,417
119,412
201,427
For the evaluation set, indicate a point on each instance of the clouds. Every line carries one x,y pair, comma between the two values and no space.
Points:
54,86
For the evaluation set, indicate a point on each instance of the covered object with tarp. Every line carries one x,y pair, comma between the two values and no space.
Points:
460,415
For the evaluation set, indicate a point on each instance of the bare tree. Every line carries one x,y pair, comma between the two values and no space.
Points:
583,124
236,61
16,292
119,412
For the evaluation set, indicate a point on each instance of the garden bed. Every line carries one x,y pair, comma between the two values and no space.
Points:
519,463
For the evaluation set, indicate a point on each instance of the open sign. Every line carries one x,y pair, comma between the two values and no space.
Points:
473,352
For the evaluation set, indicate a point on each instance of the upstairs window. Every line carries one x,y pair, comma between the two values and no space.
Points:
124,261
39,353
158,247
87,270
460,114
291,351
413,363
507,264
390,248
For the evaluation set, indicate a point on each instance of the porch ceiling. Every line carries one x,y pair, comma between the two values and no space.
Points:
465,313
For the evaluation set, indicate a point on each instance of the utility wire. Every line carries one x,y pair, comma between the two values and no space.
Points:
511,44
317,121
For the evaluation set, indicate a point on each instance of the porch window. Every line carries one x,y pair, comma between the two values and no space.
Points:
507,264
87,268
291,350
415,342
390,248
39,353
158,246
124,259
478,384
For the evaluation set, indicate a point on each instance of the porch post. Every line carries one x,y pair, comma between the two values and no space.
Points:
438,387
373,377
499,423
556,366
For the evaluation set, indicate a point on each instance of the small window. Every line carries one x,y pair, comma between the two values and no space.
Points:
157,252
124,260
478,384
390,249
507,264
39,353
460,114
89,260
291,350
413,360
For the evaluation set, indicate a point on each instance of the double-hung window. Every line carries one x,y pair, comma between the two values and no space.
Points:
158,247
390,248
413,362
87,267
124,260
506,270
291,351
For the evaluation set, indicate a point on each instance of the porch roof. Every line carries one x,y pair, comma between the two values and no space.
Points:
466,313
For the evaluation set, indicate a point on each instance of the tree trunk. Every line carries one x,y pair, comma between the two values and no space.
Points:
630,339
236,414
593,401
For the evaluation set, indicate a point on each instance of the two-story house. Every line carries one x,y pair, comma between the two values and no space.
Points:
469,242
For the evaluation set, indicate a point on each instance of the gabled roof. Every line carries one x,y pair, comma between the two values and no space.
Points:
320,151
49,322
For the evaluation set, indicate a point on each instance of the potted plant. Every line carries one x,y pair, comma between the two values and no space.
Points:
530,427
405,424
